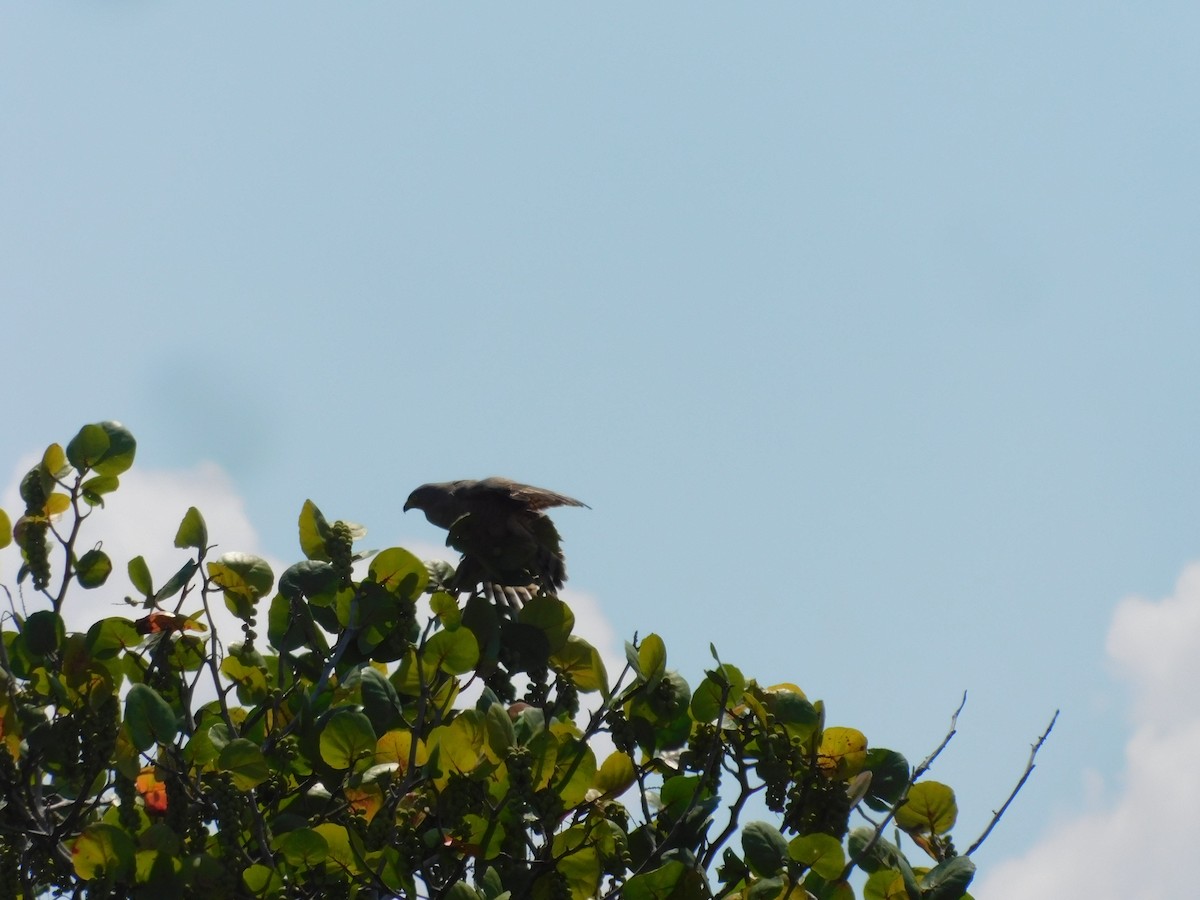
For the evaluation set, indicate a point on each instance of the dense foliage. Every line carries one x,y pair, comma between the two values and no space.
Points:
372,735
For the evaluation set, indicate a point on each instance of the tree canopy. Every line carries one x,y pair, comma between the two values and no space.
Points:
375,732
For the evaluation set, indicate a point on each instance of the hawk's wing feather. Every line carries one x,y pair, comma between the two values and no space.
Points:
532,498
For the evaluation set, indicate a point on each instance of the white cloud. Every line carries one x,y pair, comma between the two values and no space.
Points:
1138,845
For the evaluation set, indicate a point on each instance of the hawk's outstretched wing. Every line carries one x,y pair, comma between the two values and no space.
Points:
499,527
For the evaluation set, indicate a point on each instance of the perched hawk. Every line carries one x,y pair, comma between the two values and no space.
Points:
499,528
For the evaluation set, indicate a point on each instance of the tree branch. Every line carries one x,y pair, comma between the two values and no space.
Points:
1029,767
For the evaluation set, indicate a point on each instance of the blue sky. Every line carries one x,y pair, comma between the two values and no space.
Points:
868,332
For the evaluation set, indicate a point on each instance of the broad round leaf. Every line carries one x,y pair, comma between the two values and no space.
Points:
87,447
244,578
347,738
820,852
396,747
616,774
5,530
930,809
948,880
108,637
400,572
550,616
581,662
43,632
765,848
454,652
102,851
93,568
118,457
302,848
843,752
243,760
148,717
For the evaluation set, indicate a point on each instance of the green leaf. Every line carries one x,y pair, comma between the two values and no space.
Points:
765,848
262,881
93,569
581,662
118,456
43,632
725,682
929,809
149,718
400,572
616,775
347,738
381,703
176,582
103,851
313,531
302,848
192,531
948,880
341,853
243,759
889,777
652,659
5,530
500,732
139,575
94,489
550,616
454,652
87,447
463,891
445,607
672,881
54,462
108,637
820,852
244,578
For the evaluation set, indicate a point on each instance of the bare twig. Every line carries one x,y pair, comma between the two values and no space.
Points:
1029,767
920,770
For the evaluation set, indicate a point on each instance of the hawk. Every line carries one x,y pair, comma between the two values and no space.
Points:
499,527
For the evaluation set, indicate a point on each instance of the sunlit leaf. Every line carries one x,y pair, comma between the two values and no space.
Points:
843,752
929,809
581,662
652,659
192,531
313,532
454,652
102,851
616,774
243,759
400,572
87,447
396,747
820,852
119,454
347,738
